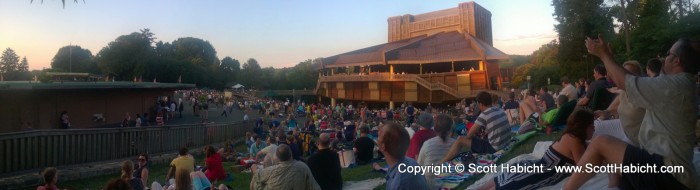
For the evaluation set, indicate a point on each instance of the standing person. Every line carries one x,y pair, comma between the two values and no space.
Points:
324,165
127,119
50,176
65,122
128,175
205,113
138,120
288,174
393,142
410,114
224,113
173,109
146,120
666,133
180,108
195,105
141,171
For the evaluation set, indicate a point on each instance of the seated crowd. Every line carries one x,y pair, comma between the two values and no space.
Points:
657,113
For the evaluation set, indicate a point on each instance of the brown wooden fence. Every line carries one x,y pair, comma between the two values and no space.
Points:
38,149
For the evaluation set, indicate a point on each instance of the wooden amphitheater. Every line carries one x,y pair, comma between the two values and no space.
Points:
440,56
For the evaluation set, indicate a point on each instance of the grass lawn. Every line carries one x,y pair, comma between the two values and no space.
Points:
242,180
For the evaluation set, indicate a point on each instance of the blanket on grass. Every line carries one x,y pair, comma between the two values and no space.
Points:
453,179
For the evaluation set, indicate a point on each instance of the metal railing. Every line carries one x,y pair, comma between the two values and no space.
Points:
388,77
29,150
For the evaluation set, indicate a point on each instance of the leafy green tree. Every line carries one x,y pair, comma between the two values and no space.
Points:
230,70
579,19
251,73
195,50
74,59
126,57
23,65
9,61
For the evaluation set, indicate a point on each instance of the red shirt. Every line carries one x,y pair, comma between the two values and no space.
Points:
215,169
417,141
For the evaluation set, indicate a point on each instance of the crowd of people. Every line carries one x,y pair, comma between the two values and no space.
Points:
657,111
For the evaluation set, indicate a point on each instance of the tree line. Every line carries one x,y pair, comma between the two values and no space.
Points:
636,30
137,56
12,68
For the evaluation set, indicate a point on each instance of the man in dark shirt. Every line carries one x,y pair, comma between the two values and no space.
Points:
363,147
511,103
324,165
547,98
599,74
600,82
296,150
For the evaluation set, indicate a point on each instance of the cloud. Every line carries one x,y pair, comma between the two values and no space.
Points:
529,37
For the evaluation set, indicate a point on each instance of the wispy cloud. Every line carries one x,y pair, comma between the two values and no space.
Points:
526,37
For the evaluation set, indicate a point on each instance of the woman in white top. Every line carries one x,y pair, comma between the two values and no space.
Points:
434,149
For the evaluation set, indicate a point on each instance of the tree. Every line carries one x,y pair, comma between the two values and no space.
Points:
579,19
74,59
543,65
230,70
23,65
126,57
9,61
251,73
650,38
195,50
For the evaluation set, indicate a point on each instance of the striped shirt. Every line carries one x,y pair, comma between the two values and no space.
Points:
496,124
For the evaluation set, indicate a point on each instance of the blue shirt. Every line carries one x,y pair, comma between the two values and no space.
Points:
255,149
397,180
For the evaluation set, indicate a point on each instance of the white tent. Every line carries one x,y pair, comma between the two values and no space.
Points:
237,86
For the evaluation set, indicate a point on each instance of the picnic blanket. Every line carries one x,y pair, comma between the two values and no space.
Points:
453,178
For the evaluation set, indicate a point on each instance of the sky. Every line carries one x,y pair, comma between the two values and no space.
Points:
275,33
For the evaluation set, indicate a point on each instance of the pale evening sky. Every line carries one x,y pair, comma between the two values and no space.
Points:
276,33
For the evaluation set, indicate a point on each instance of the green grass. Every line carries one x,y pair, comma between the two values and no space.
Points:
242,180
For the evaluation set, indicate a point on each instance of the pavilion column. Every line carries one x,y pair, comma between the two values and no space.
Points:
421,69
332,71
391,71
332,102
391,106
453,66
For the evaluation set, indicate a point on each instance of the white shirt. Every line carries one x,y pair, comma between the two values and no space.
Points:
410,132
668,127
245,117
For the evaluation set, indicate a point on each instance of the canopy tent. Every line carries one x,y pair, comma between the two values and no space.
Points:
237,86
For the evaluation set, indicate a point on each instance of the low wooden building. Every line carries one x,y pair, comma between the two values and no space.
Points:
88,104
438,56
